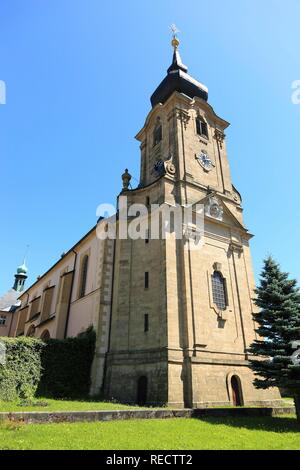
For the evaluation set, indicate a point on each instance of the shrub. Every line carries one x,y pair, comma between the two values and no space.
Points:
21,371
67,366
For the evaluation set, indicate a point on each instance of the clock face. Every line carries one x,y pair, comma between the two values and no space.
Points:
205,161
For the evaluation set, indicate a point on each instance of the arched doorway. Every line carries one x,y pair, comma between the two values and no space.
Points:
236,387
142,390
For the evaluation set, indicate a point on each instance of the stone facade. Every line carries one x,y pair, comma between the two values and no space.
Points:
58,306
7,323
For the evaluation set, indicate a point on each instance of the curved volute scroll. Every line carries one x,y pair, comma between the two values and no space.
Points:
170,168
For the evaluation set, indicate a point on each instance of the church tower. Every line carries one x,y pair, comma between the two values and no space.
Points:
181,319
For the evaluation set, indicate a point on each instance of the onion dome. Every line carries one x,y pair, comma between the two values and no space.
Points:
22,269
179,80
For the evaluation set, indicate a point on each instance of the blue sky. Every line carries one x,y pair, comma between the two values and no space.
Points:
79,75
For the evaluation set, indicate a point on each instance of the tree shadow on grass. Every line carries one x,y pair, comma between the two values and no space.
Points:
271,424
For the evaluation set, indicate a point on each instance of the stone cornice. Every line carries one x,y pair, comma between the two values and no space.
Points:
187,103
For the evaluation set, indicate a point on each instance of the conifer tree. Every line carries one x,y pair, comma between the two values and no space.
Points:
278,330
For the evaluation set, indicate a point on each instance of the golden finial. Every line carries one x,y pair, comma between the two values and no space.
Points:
175,42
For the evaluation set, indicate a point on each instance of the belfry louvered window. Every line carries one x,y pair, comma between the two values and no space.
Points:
201,127
157,134
219,290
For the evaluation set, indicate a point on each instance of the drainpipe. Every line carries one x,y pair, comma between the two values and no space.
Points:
11,322
220,163
71,294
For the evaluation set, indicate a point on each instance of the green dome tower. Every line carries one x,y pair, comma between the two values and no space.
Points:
20,277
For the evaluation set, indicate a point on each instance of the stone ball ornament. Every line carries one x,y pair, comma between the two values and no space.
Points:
170,168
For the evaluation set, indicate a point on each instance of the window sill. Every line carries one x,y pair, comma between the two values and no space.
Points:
203,136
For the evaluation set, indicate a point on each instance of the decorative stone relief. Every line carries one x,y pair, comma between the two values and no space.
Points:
162,167
236,247
183,116
192,234
170,167
213,208
220,137
217,267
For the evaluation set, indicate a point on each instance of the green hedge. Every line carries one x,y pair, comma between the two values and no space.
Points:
20,373
67,366
59,368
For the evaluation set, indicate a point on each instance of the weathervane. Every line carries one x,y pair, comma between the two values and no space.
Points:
175,30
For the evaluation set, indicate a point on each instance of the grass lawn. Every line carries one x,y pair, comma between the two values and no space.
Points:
175,434
81,405
64,405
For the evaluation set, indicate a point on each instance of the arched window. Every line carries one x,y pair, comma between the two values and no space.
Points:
201,127
83,279
45,336
219,290
157,134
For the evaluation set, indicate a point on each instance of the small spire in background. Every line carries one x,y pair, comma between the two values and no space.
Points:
21,275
